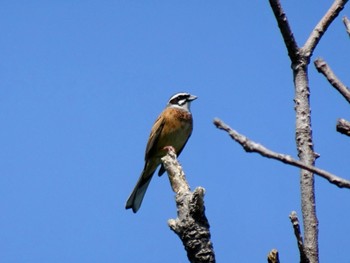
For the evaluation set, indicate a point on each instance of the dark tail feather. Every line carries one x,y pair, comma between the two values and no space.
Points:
161,170
136,197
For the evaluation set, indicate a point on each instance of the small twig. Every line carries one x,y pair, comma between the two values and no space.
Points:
343,126
250,146
295,222
273,257
285,29
191,224
323,68
322,26
346,22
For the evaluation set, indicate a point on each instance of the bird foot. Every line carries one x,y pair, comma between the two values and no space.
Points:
169,148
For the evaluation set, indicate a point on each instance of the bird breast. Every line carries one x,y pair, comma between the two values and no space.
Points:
177,129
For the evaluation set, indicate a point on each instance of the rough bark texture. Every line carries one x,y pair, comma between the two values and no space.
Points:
306,154
191,224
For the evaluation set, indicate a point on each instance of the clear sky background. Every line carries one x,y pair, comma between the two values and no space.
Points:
82,83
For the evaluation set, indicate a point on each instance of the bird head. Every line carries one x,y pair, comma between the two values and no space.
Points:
181,100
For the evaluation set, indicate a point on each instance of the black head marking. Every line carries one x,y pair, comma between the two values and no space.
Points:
179,99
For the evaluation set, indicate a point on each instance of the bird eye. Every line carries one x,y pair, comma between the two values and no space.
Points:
179,99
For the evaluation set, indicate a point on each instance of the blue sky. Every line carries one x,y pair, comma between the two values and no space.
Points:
81,85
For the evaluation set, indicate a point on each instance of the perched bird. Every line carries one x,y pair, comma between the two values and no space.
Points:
172,128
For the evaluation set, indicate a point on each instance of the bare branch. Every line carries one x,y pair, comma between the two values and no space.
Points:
191,225
284,27
250,146
295,222
273,257
322,26
306,154
323,68
343,126
346,22
300,58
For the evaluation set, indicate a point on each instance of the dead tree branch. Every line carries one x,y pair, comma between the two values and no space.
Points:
251,146
343,126
295,222
285,29
300,59
322,26
191,224
323,68
273,257
346,22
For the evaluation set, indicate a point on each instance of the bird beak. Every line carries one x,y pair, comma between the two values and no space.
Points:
192,97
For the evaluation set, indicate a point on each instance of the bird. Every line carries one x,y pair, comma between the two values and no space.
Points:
173,127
